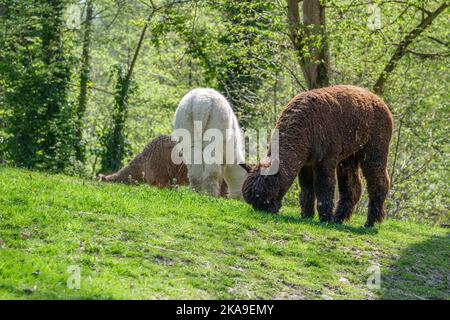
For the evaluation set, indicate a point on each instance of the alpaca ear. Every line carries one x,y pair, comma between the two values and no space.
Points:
245,166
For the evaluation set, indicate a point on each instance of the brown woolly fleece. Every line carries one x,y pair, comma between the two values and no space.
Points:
323,134
154,166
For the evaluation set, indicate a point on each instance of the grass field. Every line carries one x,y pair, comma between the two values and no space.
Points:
138,242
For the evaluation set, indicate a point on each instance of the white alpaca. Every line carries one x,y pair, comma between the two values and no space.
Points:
204,114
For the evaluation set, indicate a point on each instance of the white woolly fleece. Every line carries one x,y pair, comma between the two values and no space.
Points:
211,110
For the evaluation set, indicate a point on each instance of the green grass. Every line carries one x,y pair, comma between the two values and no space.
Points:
140,242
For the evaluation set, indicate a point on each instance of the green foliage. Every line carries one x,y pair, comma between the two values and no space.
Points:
35,72
3,125
237,58
248,49
114,141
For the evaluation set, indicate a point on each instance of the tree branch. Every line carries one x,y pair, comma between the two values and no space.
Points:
402,47
431,55
438,41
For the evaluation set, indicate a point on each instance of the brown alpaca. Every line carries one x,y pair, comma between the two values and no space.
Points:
324,133
154,166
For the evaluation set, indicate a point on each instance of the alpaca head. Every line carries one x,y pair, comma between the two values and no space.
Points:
261,191
103,178
107,178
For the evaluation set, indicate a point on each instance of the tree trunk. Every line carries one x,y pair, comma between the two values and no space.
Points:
115,146
84,80
55,142
310,41
316,66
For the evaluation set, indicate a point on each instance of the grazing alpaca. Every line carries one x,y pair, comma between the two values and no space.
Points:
323,132
202,111
153,166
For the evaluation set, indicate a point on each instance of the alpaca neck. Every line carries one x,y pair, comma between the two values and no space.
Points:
287,175
292,159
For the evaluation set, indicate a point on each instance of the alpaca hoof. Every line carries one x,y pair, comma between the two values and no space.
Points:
326,219
369,225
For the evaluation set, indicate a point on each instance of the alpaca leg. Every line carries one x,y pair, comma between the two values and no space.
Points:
223,189
349,183
377,186
373,165
195,176
324,184
212,179
307,197
234,176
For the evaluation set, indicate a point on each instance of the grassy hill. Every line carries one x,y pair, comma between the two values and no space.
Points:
140,242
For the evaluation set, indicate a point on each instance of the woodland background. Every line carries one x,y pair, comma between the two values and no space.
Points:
84,85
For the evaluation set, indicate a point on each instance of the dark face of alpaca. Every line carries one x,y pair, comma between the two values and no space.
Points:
262,191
